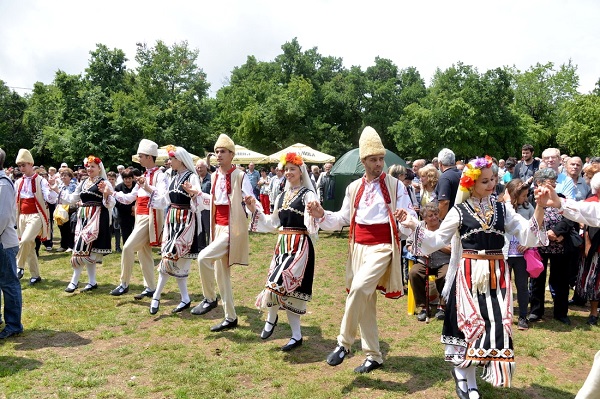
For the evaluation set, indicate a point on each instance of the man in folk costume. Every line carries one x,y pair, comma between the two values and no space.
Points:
229,234
149,218
374,263
33,216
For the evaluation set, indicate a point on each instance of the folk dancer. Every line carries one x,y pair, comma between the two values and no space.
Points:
229,234
370,206
291,272
33,215
477,327
92,234
149,195
180,235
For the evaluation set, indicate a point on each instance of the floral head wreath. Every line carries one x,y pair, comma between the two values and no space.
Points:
473,171
291,157
92,159
171,150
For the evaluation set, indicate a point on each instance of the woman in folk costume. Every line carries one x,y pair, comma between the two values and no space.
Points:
92,234
290,278
180,236
478,285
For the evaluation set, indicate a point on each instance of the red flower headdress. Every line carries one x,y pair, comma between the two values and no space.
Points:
291,157
93,159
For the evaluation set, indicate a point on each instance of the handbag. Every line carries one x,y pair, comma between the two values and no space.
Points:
61,214
533,259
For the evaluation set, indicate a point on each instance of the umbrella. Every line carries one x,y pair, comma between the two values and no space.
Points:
244,156
162,156
308,154
349,164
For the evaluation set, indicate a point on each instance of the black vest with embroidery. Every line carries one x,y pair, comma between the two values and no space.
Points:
177,194
474,235
293,213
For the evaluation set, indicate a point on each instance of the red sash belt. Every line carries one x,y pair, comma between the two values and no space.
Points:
27,206
141,206
372,234
222,215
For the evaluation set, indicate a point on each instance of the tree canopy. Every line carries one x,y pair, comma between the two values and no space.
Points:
299,96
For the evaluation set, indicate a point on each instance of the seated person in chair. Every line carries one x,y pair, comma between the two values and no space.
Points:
435,264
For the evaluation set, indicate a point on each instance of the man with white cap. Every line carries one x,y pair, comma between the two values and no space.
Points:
229,234
120,169
33,215
149,218
370,208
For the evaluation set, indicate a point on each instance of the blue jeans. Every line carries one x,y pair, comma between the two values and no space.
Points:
11,289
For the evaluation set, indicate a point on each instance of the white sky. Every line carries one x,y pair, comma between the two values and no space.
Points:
39,37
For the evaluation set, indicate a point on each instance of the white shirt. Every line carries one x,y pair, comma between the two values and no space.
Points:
27,190
372,208
221,197
158,191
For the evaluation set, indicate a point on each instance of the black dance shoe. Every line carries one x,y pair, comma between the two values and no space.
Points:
266,334
154,310
367,366
181,307
292,345
225,325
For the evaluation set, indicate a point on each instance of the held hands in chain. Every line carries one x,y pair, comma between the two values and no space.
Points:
315,209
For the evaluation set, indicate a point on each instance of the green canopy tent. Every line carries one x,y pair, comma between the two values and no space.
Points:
349,168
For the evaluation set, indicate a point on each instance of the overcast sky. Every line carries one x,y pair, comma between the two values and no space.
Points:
39,37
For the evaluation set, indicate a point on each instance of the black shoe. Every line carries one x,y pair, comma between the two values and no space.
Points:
337,356
6,333
368,366
225,325
440,314
534,318
154,310
34,280
71,287
144,294
204,307
264,334
565,320
461,394
422,316
292,345
120,290
181,307
89,287
523,324
20,273
592,320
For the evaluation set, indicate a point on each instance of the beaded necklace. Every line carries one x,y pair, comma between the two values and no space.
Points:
483,211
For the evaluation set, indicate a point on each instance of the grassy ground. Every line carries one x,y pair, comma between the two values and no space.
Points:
99,346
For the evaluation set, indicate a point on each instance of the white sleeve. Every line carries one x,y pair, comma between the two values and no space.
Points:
528,233
583,212
336,220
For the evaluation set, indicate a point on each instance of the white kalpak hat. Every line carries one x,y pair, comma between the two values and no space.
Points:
225,142
370,143
148,147
24,156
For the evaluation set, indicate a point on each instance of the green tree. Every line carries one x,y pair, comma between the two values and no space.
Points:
13,134
580,133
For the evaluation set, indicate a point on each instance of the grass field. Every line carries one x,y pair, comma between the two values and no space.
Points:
98,346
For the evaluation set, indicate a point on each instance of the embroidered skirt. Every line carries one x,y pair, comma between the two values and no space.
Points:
588,279
92,234
180,241
478,325
291,273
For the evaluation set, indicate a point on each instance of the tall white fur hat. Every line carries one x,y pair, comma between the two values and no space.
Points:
148,147
225,142
24,156
370,143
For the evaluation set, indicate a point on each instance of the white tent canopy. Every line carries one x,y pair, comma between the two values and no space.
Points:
308,154
162,156
244,156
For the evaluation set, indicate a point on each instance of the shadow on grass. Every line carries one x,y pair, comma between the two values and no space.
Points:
428,372
38,339
10,365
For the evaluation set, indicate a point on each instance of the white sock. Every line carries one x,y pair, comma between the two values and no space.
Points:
294,320
162,280
91,269
271,317
461,374
182,283
471,378
76,274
